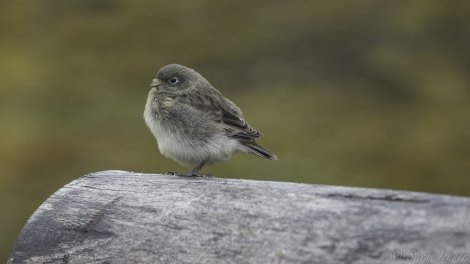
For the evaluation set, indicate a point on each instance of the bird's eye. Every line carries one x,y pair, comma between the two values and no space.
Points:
173,80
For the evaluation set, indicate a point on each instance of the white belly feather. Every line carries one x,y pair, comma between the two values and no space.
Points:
189,152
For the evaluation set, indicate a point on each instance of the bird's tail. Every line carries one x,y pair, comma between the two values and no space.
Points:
259,151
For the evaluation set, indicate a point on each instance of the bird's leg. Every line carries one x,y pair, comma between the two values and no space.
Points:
197,168
193,172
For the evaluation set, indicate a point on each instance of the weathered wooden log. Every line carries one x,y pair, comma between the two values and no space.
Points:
125,217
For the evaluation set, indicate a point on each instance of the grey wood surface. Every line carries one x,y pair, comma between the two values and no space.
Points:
126,217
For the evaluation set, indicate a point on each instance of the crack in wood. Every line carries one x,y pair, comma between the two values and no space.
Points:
390,197
66,258
99,215
100,189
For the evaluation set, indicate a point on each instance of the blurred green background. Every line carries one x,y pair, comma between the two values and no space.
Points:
356,93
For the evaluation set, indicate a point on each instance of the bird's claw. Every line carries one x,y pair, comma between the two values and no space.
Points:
189,174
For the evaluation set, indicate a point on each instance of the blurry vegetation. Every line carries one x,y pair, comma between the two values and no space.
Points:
357,93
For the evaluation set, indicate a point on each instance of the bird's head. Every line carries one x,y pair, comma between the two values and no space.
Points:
175,78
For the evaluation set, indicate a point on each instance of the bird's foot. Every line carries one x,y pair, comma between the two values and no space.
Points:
189,174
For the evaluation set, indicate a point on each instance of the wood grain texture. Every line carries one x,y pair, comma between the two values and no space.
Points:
126,217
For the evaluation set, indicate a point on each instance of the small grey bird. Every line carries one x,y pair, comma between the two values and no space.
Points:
194,124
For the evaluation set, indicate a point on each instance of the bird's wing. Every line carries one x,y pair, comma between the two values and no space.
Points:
237,127
234,125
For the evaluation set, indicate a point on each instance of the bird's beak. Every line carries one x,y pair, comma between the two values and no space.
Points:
154,83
